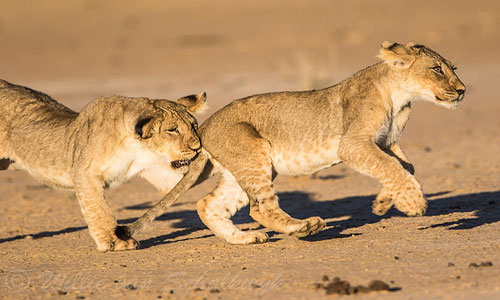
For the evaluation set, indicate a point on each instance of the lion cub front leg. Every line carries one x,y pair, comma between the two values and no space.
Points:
385,199
98,215
399,186
396,151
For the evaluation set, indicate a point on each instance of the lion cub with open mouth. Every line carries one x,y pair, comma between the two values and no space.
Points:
110,141
357,122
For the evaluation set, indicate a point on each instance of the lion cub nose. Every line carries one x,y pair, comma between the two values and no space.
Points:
461,91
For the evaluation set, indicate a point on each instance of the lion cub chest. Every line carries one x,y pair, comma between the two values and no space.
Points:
135,159
392,128
307,158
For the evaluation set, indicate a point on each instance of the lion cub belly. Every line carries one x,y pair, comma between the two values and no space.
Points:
307,159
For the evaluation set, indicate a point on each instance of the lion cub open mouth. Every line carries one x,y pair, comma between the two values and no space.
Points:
176,164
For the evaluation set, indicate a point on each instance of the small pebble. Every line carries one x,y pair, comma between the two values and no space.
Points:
255,286
483,264
342,287
378,285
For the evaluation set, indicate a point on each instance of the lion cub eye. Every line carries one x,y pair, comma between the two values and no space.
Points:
437,69
173,130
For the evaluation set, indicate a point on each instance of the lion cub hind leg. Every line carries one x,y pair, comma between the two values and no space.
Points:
216,209
254,174
267,212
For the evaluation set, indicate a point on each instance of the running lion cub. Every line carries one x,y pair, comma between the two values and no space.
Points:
357,122
108,142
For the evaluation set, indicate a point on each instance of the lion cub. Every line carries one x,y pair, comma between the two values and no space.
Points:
110,141
357,122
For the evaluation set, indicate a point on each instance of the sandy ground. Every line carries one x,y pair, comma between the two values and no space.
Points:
79,50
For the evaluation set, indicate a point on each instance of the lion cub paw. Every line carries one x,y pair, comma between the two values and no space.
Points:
248,237
412,204
130,244
113,243
309,226
382,203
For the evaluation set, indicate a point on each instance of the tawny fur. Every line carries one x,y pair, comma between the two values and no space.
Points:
108,142
357,122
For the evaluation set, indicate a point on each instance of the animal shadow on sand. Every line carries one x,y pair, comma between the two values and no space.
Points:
353,212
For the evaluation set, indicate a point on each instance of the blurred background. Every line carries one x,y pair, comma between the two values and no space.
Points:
78,50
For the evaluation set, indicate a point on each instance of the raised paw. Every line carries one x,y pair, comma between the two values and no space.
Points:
382,203
248,237
309,226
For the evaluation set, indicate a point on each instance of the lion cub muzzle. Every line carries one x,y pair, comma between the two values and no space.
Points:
176,164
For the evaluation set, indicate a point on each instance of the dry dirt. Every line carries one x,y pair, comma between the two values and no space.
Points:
78,50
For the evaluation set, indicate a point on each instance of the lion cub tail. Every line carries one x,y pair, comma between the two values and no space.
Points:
191,177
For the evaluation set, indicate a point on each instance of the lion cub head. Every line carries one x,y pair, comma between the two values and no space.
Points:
171,131
426,74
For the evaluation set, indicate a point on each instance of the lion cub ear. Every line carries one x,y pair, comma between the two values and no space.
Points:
144,127
396,54
194,103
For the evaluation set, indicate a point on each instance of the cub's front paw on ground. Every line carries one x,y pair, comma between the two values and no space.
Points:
310,226
248,237
412,202
113,243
